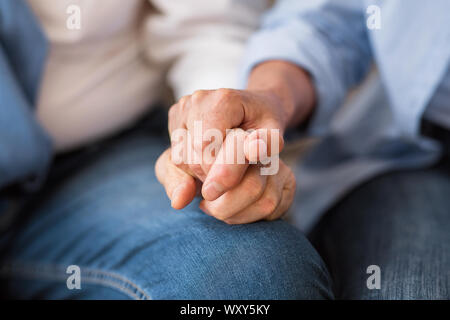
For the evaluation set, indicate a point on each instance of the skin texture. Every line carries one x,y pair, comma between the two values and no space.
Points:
279,94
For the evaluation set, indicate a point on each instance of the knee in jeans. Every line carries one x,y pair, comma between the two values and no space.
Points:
265,260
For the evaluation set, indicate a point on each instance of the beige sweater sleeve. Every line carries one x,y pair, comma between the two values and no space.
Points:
201,41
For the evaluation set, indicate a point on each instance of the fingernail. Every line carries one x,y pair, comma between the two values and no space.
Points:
212,191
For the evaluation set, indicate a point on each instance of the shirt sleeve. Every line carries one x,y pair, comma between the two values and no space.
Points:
25,149
327,38
201,42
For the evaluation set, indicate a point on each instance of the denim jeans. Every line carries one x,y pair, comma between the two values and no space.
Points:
399,222
107,214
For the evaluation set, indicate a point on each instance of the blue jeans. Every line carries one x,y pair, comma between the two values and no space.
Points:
108,215
400,222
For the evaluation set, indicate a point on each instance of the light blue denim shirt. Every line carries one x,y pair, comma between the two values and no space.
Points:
25,149
378,131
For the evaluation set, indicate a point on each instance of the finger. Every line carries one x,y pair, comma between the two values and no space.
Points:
248,191
287,198
263,143
180,187
268,204
172,118
178,114
214,140
228,168
183,155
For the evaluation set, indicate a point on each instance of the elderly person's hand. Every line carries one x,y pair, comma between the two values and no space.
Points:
256,197
278,94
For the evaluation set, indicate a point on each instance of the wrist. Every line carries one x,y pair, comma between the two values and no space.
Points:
288,86
281,105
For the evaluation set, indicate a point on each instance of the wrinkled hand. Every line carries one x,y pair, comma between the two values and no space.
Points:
257,197
278,94
227,109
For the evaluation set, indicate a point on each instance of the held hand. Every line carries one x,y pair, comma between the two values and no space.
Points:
180,185
221,110
278,94
256,198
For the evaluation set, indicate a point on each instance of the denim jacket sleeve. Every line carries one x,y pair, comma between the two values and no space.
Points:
25,149
327,38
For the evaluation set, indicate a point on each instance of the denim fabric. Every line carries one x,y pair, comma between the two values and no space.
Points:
399,221
25,149
112,218
108,215
24,44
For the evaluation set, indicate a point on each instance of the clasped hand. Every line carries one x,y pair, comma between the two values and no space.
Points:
235,192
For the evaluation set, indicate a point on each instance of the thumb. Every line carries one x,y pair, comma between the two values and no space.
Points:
179,185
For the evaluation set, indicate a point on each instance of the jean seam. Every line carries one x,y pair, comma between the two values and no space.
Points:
94,276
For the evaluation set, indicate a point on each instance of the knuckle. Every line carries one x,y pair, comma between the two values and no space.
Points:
183,103
220,99
173,111
226,95
225,92
198,96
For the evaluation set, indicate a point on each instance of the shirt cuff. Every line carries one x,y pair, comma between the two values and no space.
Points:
299,44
